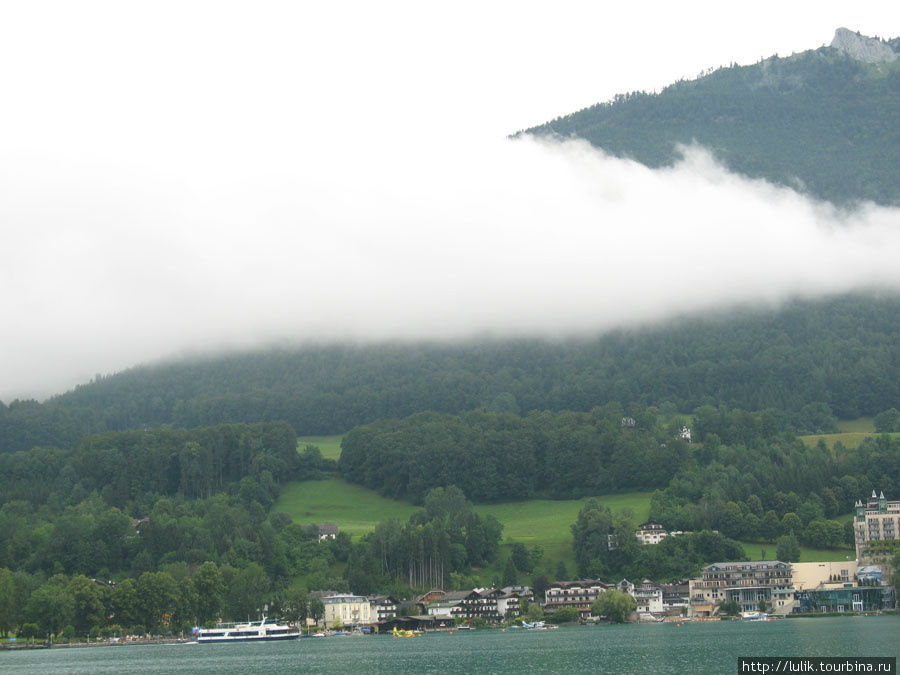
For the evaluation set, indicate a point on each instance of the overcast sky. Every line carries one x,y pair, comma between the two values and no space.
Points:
180,176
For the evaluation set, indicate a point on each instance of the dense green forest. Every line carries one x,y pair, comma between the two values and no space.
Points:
743,478
161,530
673,558
504,457
819,121
840,355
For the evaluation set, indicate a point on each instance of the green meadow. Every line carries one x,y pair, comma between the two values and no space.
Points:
353,508
859,425
538,522
850,439
356,510
329,445
754,551
850,434
544,521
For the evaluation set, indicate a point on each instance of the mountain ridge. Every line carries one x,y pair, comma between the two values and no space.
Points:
862,47
819,121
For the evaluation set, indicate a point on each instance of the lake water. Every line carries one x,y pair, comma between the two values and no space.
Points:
658,648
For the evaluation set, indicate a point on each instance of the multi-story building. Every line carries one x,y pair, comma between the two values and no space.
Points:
807,576
348,610
383,607
840,587
508,601
852,599
676,598
579,594
877,520
745,583
649,598
479,603
650,533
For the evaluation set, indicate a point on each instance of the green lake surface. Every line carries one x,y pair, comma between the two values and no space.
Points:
657,648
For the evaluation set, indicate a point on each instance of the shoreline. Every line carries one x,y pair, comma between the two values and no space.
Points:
103,643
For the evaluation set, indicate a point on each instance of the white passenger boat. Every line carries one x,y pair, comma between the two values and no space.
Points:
265,629
754,616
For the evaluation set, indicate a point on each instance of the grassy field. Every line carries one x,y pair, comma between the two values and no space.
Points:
329,445
353,508
754,552
538,522
850,434
863,425
543,521
850,439
356,510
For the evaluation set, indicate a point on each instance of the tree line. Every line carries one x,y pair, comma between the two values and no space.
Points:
157,603
742,476
92,571
606,548
740,465
135,467
437,547
809,362
504,457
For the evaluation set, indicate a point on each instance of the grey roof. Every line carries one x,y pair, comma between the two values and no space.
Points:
744,564
517,589
323,594
451,596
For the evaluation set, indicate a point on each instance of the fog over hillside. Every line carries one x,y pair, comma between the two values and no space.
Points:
226,192
536,238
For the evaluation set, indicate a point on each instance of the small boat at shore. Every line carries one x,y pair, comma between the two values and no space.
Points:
754,616
250,631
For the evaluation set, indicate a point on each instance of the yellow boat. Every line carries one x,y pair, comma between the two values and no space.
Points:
406,633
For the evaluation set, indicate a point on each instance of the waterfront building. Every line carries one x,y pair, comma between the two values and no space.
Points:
478,603
445,608
433,595
854,598
649,598
876,521
348,610
745,583
383,607
578,594
840,587
676,598
508,600
811,575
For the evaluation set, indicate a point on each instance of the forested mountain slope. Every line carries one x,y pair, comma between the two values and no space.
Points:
842,352
821,121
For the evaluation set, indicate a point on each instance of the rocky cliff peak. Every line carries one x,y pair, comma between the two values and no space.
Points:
863,48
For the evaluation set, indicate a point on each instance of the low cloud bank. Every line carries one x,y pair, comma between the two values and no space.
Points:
107,265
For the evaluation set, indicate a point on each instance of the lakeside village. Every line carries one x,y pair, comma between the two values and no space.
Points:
759,590
755,590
